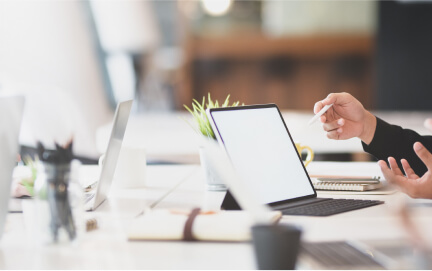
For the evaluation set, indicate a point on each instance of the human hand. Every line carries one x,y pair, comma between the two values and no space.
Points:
347,118
411,184
18,190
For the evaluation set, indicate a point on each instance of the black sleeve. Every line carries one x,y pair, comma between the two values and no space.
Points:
393,140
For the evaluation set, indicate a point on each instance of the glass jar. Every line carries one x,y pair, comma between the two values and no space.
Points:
58,198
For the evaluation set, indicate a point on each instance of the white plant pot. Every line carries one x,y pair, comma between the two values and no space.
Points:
213,180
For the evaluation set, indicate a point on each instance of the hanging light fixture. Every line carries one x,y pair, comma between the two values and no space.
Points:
216,7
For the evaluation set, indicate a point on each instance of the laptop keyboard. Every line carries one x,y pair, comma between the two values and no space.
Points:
330,207
338,255
88,197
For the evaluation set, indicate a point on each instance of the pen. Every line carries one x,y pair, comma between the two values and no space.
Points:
319,114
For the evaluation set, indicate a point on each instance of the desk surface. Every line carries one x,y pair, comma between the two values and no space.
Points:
168,137
184,187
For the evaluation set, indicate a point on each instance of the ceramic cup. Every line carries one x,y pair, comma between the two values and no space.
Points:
276,246
131,166
310,152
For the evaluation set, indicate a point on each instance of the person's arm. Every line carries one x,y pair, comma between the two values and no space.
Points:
404,148
392,140
347,118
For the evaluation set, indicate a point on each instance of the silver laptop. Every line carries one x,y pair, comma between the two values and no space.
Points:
97,196
11,111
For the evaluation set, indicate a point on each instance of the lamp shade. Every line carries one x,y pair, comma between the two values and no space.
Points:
125,26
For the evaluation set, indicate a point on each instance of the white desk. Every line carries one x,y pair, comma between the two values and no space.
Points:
168,137
108,248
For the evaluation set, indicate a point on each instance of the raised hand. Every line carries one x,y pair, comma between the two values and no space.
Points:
347,118
411,184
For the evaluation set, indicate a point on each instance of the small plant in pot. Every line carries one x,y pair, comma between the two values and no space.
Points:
202,126
200,118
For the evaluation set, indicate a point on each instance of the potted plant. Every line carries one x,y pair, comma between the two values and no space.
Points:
25,176
202,126
200,118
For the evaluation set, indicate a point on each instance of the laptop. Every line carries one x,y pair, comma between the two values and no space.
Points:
11,111
264,156
97,196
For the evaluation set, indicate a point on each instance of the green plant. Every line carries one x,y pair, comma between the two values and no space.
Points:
200,117
28,183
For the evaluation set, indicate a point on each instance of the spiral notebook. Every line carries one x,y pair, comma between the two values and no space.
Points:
345,186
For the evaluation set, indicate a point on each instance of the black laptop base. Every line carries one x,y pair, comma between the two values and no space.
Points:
330,207
230,203
311,207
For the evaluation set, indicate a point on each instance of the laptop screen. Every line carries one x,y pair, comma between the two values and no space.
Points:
262,152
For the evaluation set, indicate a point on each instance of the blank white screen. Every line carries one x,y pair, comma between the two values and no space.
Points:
262,153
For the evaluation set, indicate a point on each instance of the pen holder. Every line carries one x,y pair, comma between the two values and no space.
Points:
58,206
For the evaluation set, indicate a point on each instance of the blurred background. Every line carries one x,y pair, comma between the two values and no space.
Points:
75,60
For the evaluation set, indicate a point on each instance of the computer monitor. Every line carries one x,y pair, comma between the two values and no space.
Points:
11,111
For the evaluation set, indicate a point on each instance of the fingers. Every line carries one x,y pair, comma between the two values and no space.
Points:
388,174
318,106
395,167
323,119
423,154
330,99
333,98
335,134
409,172
334,128
333,125
338,98
401,181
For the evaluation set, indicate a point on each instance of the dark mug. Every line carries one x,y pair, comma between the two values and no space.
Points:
276,246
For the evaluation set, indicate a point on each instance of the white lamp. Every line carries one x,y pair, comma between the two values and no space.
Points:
125,26
127,30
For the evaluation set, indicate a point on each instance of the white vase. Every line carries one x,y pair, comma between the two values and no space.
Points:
213,180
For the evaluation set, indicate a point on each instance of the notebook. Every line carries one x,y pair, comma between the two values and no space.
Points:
337,186
264,155
97,196
222,226
11,111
